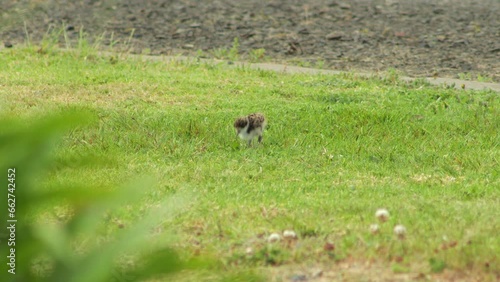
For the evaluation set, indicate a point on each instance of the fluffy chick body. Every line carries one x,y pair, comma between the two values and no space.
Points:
251,126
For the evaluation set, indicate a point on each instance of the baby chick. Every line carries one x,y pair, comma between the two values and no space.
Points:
250,126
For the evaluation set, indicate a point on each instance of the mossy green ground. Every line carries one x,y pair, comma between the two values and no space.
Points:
337,148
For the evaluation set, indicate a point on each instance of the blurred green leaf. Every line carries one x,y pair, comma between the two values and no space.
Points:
29,147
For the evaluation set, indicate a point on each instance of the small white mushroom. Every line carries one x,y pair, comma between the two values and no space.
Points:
382,215
400,231
289,234
374,228
274,237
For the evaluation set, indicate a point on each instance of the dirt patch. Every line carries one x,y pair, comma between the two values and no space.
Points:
369,271
450,38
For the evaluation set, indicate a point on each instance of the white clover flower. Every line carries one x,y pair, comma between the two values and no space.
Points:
382,215
249,251
274,237
289,234
400,231
374,228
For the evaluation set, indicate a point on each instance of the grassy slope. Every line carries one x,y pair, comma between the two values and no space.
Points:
337,148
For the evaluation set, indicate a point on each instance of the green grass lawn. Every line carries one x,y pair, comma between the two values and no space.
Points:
337,148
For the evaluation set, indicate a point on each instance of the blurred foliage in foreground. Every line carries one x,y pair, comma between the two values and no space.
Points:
28,147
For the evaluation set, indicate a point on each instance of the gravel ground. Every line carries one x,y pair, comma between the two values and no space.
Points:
450,38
